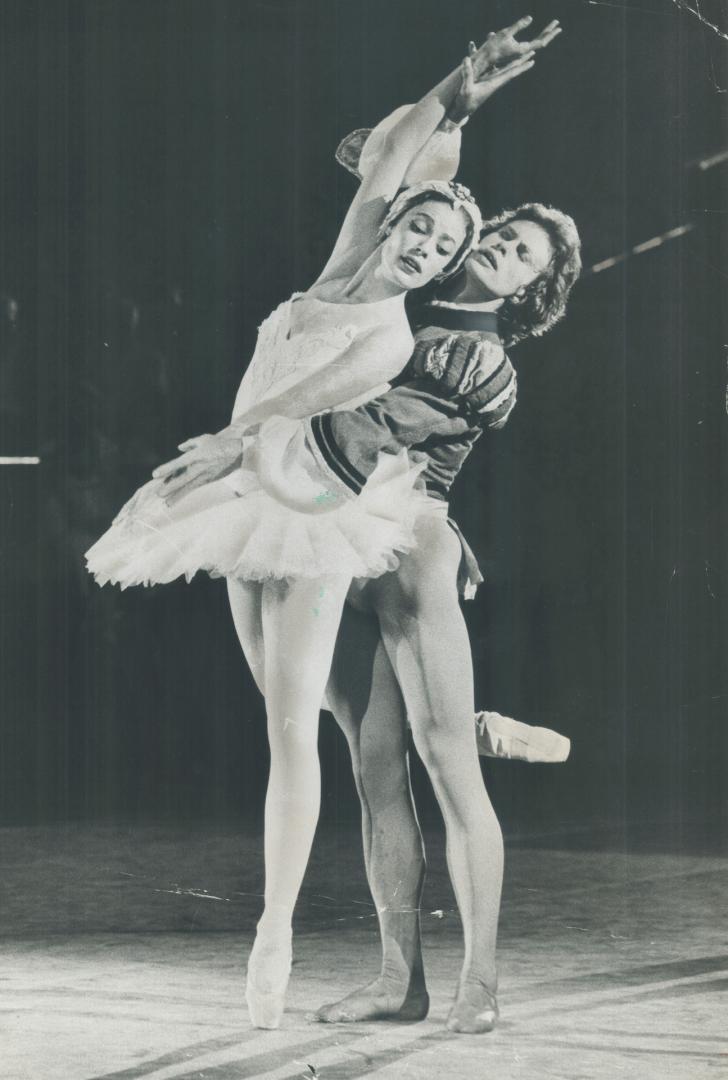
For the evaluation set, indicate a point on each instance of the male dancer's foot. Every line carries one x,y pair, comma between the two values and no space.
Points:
475,1011
501,737
384,999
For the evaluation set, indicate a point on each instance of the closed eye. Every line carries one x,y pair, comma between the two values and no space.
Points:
421,224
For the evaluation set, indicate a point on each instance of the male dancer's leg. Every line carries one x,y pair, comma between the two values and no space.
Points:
427,641
366,701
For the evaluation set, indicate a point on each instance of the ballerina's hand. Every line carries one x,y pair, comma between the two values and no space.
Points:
474,91
203,459
502,46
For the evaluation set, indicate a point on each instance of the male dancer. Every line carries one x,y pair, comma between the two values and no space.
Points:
403,635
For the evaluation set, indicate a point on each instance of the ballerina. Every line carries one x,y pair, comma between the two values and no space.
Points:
293,558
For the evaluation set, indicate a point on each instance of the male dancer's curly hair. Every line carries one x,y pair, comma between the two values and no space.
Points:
544,300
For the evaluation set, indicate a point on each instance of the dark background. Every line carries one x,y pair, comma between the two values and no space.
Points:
168,178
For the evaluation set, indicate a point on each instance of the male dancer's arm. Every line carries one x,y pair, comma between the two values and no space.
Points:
453,388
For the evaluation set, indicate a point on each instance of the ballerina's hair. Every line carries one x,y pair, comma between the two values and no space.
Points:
455,195
544,300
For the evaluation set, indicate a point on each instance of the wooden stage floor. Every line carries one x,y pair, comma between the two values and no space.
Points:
124,948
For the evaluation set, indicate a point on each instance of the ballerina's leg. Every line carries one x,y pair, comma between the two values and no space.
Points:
365,698
299,621
426,638
246,606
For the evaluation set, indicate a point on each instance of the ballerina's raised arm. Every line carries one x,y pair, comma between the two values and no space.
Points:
484,70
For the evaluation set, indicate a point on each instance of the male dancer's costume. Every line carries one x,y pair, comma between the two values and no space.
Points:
458,382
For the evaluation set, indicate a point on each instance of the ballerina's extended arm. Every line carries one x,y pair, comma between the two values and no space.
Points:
405,417
498,60
357,237
209,457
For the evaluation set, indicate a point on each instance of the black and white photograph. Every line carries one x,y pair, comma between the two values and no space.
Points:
364,576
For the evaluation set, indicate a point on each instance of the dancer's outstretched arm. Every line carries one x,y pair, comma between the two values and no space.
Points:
501,59
498,60
401,418
208,457
358,236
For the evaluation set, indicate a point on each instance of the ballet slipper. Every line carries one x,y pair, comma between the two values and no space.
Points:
502,737
269,967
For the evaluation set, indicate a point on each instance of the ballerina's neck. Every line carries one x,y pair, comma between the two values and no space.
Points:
337,292
369,285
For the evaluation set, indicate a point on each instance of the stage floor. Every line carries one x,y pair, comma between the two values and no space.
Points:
124,949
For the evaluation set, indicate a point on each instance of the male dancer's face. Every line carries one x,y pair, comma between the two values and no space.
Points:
509,259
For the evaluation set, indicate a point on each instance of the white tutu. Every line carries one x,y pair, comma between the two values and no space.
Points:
236,528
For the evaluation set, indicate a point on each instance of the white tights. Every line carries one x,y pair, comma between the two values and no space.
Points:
288,632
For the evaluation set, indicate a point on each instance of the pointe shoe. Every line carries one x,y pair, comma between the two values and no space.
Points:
269,968
501,737
468,1018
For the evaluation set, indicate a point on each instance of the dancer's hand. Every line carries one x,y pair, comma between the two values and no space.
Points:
475,91
203,459
499,59
501,46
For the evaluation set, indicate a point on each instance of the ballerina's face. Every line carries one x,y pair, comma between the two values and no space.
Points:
509,259
422,243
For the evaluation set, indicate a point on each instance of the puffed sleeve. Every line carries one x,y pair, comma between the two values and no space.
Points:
470,367
439,158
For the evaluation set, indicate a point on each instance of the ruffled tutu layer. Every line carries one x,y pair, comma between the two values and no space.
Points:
236,528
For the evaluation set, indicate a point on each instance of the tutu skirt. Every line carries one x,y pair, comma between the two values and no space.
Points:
280,516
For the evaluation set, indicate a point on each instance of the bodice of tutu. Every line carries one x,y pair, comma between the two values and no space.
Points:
304,334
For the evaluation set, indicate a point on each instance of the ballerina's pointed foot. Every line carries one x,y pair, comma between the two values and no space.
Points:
269,968
475,1011
379,1001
